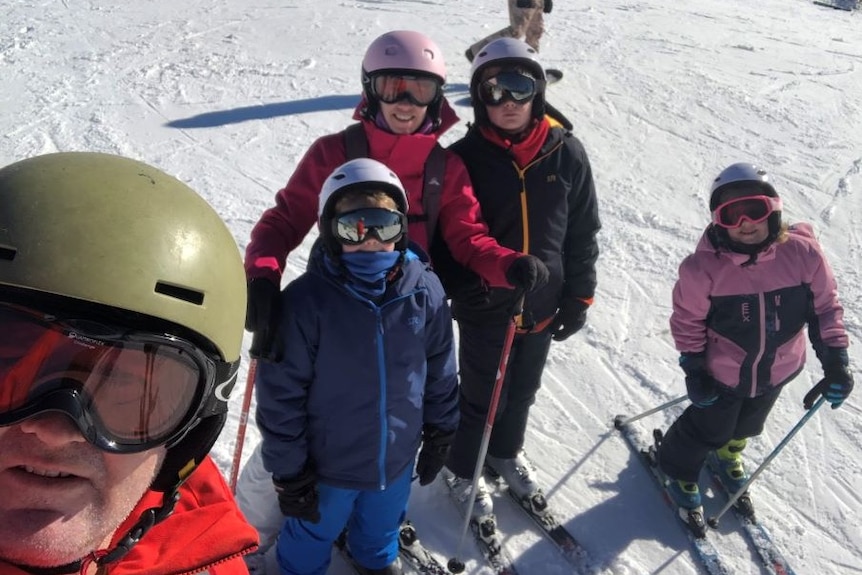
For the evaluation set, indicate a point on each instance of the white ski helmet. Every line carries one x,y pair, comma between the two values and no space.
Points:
507,53
363,174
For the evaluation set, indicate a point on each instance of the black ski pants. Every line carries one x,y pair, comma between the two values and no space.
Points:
700,430
479,351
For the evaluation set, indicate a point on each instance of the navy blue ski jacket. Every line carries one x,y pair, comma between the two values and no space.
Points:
359,379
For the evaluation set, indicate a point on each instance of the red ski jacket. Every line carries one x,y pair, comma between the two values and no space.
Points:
282,227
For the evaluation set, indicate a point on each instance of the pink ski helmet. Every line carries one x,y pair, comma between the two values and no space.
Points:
403,52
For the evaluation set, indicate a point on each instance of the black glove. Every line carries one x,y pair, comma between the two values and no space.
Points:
524,3
262,315
569,319
701,388
528,273
297,496
435,448
837,382
549,5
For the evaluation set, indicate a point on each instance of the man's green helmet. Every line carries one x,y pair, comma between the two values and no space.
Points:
120,233
113,234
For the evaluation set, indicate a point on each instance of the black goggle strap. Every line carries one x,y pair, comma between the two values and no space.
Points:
149,519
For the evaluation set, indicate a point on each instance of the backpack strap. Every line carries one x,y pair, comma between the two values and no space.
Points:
432,188
356,146
354,142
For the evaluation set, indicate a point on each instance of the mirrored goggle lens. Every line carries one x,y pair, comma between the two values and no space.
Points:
126,391
419,90
752,208
507,86
353,228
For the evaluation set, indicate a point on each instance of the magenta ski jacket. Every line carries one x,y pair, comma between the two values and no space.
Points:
749,317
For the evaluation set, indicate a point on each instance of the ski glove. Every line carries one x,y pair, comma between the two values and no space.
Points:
262,315
700,386
549,5
569,319
837,382
528,273
435,448
297,496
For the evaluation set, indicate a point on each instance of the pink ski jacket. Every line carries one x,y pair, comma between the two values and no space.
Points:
750,318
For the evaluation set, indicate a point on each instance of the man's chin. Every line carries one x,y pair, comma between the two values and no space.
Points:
50,545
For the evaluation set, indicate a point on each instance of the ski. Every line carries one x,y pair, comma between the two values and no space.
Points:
415,559
538,510
849,7
704,549
756,533
412,552
486,536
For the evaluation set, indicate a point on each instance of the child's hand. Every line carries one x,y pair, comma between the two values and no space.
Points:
297,496
835,387
837,382
432,456
701,388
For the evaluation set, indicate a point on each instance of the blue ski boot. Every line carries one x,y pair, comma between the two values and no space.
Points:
685,494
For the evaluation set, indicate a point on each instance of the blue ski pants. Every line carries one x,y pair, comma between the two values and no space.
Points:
372,518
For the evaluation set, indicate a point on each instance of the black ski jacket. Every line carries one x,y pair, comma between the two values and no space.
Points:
548,209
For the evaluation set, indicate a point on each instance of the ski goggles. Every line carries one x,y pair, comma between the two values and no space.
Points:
507,86
126,391
354,227
418,90
755,209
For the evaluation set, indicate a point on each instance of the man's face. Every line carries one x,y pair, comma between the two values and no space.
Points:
63,497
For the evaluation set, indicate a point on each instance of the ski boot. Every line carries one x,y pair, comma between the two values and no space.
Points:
393,568
726,463
483,505
684,494
518,474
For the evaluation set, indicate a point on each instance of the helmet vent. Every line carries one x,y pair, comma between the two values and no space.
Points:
192,296
7,253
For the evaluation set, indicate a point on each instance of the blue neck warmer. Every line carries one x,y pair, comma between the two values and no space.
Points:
366,271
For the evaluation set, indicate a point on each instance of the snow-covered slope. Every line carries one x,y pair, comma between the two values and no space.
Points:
228,94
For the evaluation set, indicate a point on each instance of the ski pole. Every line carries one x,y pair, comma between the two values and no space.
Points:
455,565
243,422
713,521
620,422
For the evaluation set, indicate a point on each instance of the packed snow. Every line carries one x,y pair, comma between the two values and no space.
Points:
228,94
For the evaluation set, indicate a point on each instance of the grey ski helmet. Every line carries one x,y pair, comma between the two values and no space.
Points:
507,53
744,178
740,175
361,174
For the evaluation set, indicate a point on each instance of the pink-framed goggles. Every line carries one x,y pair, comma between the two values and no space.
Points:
755,209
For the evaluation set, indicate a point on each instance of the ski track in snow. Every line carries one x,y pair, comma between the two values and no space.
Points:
228,95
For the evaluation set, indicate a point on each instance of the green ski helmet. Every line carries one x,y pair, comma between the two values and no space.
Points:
118,238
